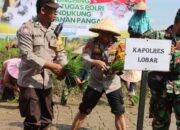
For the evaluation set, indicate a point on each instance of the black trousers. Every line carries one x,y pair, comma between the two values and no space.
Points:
37,107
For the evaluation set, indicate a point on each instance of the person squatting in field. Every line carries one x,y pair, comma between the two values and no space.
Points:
10,73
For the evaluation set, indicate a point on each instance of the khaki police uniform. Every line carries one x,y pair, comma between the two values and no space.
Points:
37,46
98,82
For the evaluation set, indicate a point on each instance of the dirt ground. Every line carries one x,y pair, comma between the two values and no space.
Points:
100,119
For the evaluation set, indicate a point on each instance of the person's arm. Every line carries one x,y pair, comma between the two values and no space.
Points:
54,67
89,62
61,58
25,44
134,34
12,45
154,35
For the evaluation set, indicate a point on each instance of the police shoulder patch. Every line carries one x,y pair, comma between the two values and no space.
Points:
25,30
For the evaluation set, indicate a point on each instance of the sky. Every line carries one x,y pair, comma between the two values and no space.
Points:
162,12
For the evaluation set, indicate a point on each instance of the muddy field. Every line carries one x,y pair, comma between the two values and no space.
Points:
99,119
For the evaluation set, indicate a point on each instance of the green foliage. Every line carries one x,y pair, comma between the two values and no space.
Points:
7,53
74,66
135,99
69,52
72,70
117,66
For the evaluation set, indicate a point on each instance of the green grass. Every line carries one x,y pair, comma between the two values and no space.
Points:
7,54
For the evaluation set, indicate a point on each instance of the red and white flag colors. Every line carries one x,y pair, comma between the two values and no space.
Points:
99,1
133,1
122,1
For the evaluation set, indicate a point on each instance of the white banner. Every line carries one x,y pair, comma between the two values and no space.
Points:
77,15
147,54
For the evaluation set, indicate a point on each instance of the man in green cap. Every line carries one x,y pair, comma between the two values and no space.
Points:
165,86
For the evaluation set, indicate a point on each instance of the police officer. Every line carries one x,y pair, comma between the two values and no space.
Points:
165,86
98,54
38,43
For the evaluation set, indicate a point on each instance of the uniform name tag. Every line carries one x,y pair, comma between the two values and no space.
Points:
37,35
